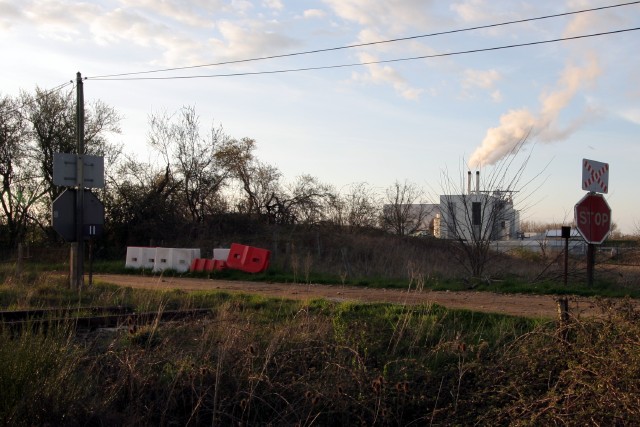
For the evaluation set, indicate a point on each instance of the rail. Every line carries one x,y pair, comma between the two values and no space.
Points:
109,317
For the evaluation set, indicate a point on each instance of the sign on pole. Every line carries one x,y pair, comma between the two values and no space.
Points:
595,176
593,218
63,217
65,170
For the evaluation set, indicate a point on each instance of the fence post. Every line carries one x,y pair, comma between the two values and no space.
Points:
20,260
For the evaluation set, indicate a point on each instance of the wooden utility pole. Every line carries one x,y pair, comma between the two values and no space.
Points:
79,264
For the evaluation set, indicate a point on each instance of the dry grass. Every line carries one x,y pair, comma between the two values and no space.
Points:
274,362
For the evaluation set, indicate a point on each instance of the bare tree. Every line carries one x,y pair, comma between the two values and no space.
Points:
304,201
143,203
19,186
355,207
190,159
404,211
34,127
474,217
52,116
259,181
362,206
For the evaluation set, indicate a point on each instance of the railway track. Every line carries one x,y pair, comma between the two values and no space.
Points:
91,318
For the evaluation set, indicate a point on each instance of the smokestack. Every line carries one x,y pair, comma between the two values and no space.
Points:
469,183
478,182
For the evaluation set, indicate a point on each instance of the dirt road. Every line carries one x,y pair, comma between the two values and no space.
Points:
514,304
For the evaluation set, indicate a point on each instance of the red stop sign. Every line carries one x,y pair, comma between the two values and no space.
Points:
593,218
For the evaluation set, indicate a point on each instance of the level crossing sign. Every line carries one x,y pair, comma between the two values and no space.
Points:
595,176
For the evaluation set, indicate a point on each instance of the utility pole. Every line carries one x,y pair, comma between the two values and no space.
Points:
79,264
76,212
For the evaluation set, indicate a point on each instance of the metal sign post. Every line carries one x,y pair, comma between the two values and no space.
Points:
592,212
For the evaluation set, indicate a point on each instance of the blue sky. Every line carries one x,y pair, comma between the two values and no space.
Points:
377,123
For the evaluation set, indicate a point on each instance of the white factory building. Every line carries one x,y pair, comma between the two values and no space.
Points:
475,215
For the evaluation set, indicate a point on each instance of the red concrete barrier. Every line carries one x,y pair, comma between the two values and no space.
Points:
197,264
248,258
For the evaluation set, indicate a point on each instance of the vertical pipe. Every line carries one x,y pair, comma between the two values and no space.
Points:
478,182
469,182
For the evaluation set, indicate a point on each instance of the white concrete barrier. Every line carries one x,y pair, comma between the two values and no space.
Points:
160,259
221,253
140,257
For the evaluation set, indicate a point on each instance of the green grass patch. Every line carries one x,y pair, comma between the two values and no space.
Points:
261,361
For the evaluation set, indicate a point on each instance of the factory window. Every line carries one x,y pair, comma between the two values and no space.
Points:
476,213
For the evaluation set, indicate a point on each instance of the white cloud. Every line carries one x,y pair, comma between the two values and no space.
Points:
194,13
586,23
274,4
120,24
481,79
241,6
314,13
10,14
248,38
392,16
52,19
386,20
473,11
385,74
485,79
182,32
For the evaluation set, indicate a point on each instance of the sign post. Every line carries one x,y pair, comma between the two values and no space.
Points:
592,212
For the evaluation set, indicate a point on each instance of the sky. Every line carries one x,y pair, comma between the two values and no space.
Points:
428,111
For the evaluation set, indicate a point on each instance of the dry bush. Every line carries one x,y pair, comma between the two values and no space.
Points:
240,368
373,255
588,374
260,362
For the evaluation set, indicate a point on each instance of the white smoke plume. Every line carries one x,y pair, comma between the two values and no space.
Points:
516,124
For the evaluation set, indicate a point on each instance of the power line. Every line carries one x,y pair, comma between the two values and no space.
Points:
480,27
358,64
41,96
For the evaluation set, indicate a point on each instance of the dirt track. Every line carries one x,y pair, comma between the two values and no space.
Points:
514,304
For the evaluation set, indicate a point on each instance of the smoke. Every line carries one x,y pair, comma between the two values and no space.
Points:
544,125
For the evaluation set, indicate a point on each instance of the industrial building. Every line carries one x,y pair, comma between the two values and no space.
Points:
478,215
475,215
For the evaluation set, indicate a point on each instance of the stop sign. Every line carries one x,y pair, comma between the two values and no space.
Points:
593,218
